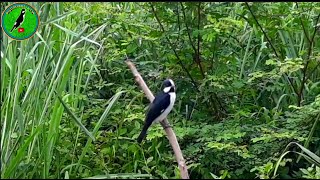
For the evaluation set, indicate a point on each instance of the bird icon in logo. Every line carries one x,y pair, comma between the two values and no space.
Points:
19,20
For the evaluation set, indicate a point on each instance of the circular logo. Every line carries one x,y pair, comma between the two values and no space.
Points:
20,21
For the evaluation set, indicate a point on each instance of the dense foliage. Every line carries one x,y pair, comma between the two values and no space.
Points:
247,77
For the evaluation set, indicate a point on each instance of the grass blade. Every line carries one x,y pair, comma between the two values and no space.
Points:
98,125
75,118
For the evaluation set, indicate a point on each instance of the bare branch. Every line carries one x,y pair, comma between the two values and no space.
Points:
170,134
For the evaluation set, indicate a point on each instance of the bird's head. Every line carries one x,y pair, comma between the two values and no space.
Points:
169,86
23,11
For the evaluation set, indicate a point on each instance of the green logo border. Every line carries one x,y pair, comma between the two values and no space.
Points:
11,7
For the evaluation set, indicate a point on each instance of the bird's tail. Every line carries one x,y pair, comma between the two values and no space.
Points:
142,136
143,133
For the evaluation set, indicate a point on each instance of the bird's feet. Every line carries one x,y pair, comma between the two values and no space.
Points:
165,125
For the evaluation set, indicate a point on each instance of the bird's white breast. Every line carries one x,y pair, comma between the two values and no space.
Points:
168,109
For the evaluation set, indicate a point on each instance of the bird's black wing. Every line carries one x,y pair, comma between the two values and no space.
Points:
159,104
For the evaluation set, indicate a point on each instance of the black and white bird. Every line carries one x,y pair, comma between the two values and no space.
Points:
160,107
19,20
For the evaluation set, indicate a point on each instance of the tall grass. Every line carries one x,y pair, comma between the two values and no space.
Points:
31,72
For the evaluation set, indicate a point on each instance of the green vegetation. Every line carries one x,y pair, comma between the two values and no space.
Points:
248,91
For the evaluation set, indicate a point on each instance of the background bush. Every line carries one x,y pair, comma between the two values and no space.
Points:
247,77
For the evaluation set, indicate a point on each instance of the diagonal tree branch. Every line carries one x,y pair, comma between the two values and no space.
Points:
196,50
317,27
198,53
187,26
165,124
178,22
314,69
304,78
174,50
265,34
304,29
274,50
218,112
